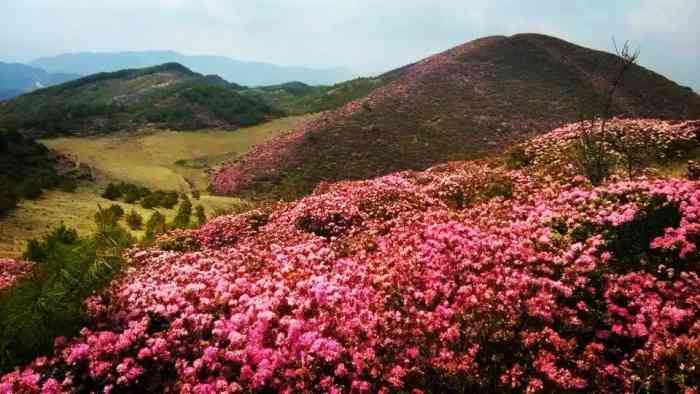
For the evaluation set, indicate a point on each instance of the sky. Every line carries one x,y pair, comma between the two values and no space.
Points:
365,36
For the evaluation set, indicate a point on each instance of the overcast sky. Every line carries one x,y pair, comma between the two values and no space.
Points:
366,36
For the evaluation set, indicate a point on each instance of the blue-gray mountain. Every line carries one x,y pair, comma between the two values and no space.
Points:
16,79
240,72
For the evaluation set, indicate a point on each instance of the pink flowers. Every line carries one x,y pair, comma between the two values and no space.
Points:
12,270
389,284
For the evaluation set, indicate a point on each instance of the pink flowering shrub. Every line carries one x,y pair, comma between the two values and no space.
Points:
11,270
658,139
388,285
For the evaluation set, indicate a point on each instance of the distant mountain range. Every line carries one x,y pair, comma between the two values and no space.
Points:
16,79
169,95
455,105
240,72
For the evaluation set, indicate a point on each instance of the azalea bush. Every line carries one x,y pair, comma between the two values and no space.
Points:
627,146
388,285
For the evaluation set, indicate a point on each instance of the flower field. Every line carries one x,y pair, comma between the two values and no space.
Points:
460,278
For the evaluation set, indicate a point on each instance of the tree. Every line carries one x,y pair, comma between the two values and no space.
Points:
112,192
593,151
134,220
155,226
30,188
169,200
200,215
184,212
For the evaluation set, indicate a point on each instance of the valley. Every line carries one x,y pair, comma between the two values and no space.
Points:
157,159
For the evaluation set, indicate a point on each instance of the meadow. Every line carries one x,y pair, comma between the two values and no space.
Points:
162,159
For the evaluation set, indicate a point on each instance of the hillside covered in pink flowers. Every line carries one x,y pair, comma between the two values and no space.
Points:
460,104
465,277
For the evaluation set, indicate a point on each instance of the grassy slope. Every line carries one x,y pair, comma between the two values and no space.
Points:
145,158
149,158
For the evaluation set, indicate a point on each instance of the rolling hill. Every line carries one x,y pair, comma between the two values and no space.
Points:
241,72
169,96
17,78
458,104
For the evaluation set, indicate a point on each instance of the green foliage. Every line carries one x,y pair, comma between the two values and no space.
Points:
117,211
169,199
296,98
155,226
131,196
112,192
67,184
50,302
184,213
517,158
151,201
8,199
30,189
200,215
187,101
134,220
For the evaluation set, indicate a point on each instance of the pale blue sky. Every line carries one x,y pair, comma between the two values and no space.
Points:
362,35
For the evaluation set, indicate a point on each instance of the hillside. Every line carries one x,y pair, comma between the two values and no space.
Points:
473,98
16,78
463,278
297,98
169,96
238,71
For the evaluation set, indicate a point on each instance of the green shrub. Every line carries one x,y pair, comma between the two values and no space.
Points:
517,158
67,184
134,220
117,211
112,192
169,200
155,226
150,201
131,196
144,191
29,189
8,200
200,215
184,212
50,302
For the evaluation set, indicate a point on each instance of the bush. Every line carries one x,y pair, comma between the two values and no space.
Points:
169,200
131,196
200,215
30,189
8,200
67,184
50,302
155,226
150,201
112,192
134,220
117,211
517,157
184,212
144,191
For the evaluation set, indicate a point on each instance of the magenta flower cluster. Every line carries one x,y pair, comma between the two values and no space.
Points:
386,286
12,270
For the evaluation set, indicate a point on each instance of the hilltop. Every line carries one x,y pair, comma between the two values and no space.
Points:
238,71
458,104
168,95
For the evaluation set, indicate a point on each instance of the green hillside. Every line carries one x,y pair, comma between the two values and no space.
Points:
167,96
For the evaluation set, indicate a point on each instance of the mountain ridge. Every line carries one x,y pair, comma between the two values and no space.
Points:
18,78
239,71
